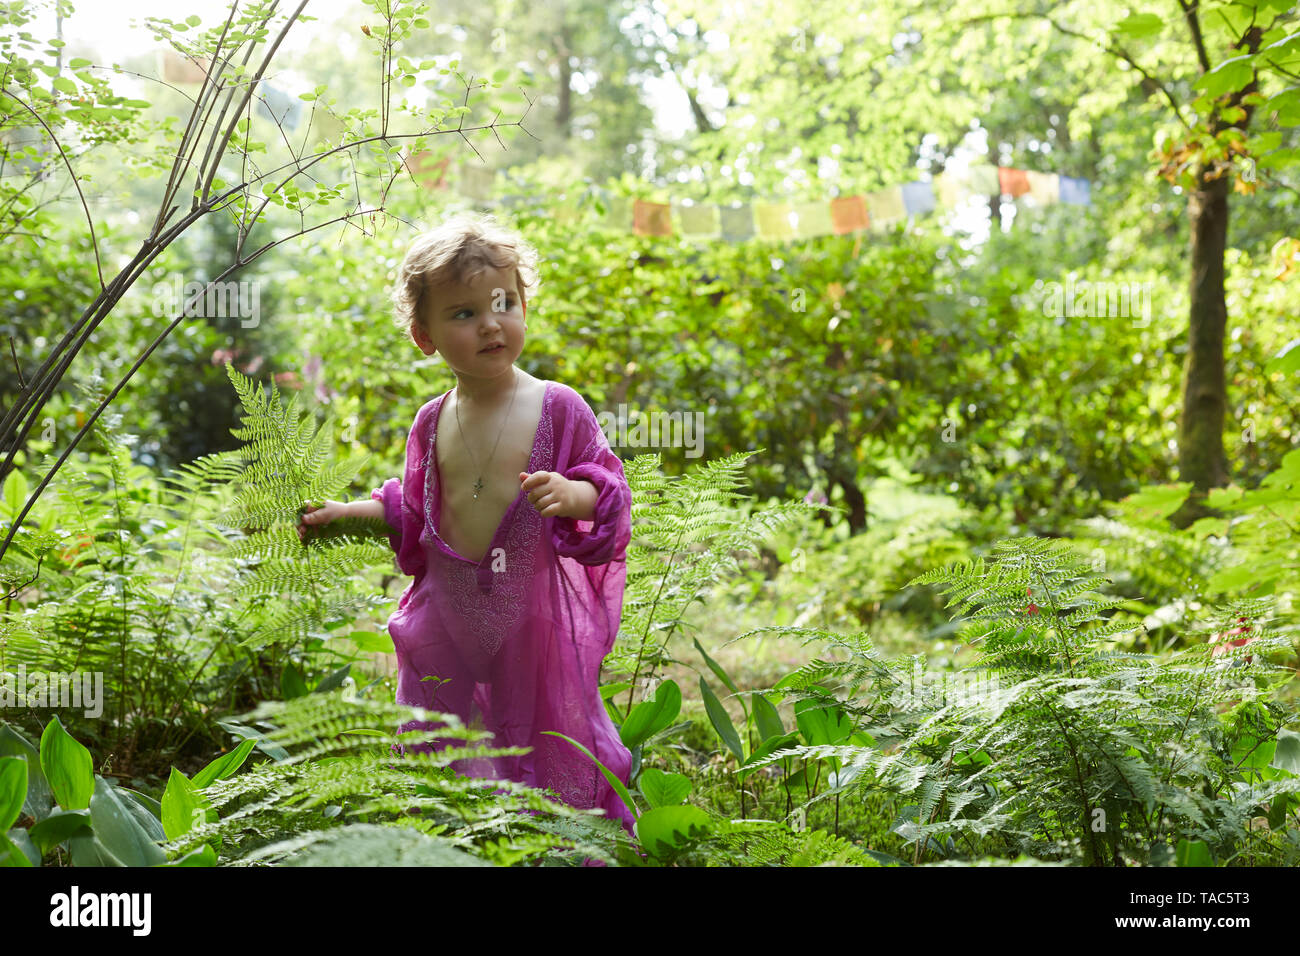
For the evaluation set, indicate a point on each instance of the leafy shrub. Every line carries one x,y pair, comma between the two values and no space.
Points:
1063,748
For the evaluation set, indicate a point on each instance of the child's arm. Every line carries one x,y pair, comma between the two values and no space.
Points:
594,525
558,497
316,517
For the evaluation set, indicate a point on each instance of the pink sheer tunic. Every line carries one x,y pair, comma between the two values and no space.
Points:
517,650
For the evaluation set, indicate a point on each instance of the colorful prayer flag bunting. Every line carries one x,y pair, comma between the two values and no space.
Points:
698,219
429,171
1012,182
849,214
983,180
918,198
1043,187
885,206
773,220
1076,191
618,213
279,107
813,219
737,222
651,218
182,69
949,189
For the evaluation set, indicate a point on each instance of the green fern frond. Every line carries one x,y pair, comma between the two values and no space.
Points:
342,774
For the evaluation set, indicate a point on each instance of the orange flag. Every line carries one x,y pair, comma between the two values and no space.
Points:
1012,182
181,69
429,172
849,214
651,218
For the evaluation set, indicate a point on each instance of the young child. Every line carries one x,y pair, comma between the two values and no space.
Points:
513,517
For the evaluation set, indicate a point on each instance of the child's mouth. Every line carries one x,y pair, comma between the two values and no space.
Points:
495,348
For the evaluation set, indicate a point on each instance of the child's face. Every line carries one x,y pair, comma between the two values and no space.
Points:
459,321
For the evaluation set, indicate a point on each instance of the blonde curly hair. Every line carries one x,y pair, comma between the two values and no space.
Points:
459,250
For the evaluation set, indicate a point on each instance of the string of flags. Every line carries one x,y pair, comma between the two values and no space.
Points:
777,219
735,222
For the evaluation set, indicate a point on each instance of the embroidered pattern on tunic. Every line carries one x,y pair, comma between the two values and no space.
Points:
574,782
490,617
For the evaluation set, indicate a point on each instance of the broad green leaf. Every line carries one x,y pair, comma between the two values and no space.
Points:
1156,501
180,803
1279,808
769,746
151,822
57,827
260,740
1287,105
117,829
1140,25
15,494
291,683
1287,360
371,642
1249,753
13,789
1286,755
721,721
203,856
1193,853
665,831
822,724
663,789
13,744
1286,47
767,717
716,668
224,766
333,680
979,758
145,801
651,716
1229,76
1231,579
67,767
22,839
611,690
11,854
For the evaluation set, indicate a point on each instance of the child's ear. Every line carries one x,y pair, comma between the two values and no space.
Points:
422,340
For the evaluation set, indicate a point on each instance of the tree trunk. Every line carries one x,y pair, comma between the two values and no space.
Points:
1201,458
1200,452
842,468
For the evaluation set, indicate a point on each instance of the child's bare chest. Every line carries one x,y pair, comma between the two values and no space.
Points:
465,455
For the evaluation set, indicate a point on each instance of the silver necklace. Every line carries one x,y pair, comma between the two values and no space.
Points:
478,484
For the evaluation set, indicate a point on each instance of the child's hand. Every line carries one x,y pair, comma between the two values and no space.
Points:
316,515
553,495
